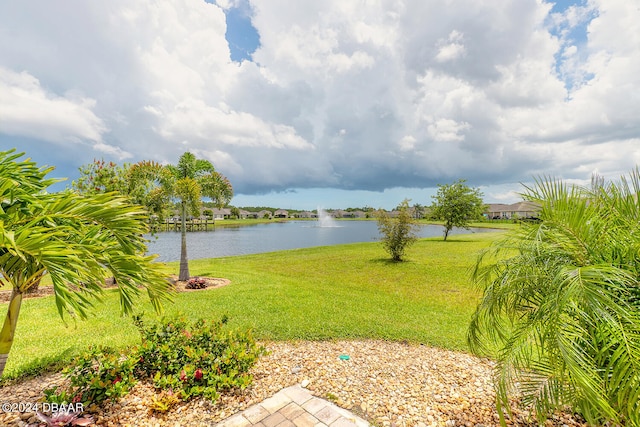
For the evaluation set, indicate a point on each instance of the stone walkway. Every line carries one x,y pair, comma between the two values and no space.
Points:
294,407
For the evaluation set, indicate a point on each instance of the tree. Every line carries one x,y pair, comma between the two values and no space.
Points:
397,233
189,181
143,183
418,211
457,204
154,186
150,184
101,177
77,239
561,303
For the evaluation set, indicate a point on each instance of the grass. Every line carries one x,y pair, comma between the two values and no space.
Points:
336,292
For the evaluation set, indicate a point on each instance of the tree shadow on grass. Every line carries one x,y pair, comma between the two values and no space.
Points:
453,240
389,261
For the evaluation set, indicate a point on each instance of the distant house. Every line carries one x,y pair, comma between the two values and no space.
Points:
306,214
281,213
219,214
264,214
245,214
520,210
349,214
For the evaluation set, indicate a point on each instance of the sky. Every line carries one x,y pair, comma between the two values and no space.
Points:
333,103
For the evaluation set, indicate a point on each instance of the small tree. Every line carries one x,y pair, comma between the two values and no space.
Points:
397,233
457,204
102,177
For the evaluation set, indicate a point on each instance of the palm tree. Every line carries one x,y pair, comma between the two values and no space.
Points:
561,303
77,239
190,180
418,211
153,185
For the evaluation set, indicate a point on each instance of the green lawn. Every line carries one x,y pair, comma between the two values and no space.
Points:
346,291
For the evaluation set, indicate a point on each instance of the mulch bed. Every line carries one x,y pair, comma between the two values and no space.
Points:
43,291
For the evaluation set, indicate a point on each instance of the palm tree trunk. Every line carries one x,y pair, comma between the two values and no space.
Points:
33,289
9,327
184,261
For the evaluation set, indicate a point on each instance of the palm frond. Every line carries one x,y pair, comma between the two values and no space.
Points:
561,301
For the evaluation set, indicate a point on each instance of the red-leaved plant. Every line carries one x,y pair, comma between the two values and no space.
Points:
196,283
65,419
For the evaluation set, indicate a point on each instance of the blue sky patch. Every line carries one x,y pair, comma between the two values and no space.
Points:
569,21
241,35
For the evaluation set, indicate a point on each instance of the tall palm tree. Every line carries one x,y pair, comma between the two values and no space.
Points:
191,180
78,240
561,303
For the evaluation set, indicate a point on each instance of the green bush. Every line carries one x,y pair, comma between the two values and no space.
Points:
97,375
560,304
397,233
187,360
195,360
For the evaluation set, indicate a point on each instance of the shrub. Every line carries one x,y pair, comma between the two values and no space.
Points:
95,376
164,401
184,360
196,283
560,304
397,233
200,359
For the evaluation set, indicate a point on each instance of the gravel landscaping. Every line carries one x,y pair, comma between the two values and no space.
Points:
389,384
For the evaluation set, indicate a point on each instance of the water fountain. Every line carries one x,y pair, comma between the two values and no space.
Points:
325,220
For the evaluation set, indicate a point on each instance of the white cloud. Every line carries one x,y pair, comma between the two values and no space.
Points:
228,4
451,48
602,110
28,109
447,130
407,143
116,152
357,95
194,121
318,49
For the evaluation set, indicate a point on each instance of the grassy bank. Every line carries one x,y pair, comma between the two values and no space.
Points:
346,291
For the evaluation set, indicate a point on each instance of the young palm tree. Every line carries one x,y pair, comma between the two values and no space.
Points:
77,240
153,185
561,304
399,233
191,180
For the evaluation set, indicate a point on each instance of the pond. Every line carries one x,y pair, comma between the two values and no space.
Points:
277,236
